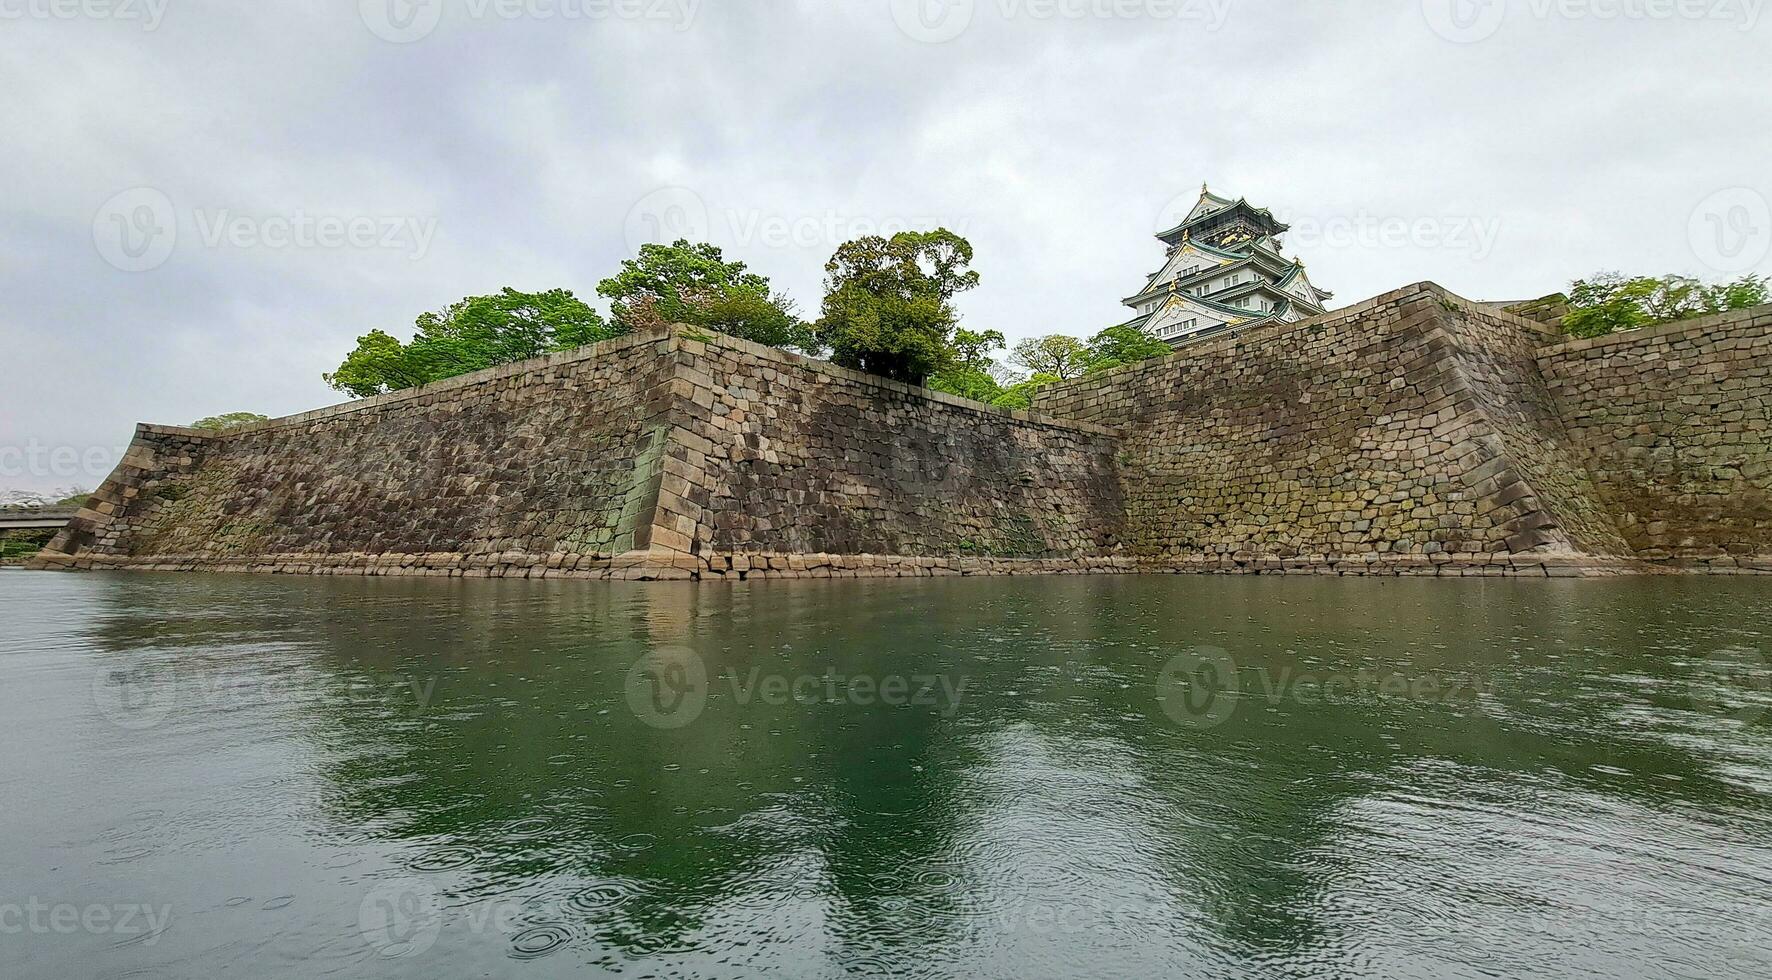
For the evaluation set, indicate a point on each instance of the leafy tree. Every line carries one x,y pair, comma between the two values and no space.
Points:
694,284
1123,345
1608,301
1021,394
1055,354
966,383
970,372
231,420
476,333
379,364
888,305
973,350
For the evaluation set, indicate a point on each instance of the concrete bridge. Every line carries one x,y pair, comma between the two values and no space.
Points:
36,517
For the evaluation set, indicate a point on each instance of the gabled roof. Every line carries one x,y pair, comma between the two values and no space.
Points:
1215,250
1214,306
1296,273
1174,259
1201,213
1270,263
1232,317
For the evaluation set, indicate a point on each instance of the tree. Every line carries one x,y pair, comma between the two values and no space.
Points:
1056,354
694,284
1608,301
1123,345
1021,394
973,350
888,305
476,333
379,364
970,371
231,420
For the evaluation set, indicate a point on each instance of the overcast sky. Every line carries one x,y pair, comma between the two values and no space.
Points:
167,163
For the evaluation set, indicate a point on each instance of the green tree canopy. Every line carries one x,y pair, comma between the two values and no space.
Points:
888,305
694,284
970,372
1123,345
1021,394
476,333
1056,354
1609,301
972,350
231,420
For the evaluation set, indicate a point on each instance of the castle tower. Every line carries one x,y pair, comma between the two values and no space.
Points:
1223,269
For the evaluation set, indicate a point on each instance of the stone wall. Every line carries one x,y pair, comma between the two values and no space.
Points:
672,454
1411,431
1415,433
782,455
1673,421
560,455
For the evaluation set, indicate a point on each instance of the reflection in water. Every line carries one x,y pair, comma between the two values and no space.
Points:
1004,777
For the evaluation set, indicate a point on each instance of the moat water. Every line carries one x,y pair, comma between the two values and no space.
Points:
1061,777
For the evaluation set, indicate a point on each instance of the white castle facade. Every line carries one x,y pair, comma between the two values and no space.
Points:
1223,270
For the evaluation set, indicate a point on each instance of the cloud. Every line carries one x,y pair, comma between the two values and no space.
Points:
538,134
